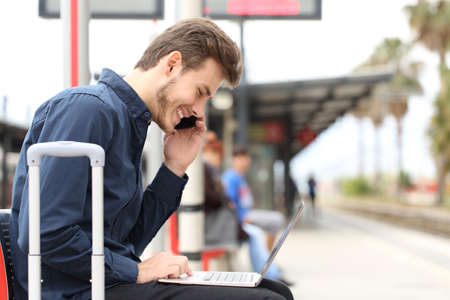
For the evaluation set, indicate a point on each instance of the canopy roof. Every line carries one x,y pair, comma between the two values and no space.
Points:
13,133
315,104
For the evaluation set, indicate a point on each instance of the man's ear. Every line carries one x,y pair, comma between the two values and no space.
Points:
173,63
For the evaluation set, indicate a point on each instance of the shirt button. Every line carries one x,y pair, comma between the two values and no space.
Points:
147,114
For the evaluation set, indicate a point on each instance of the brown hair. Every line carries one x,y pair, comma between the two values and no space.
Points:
240,151
214,146
197,39
212,143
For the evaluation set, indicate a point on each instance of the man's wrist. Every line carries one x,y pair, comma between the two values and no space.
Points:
139,276
174,168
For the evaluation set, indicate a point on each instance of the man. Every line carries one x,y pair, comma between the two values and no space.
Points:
253,220
180,70
312,191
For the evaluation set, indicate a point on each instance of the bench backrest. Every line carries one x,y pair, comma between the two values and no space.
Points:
6,266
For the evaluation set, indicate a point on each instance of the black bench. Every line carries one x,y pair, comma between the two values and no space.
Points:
6,266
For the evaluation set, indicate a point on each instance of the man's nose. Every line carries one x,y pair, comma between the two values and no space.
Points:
198,109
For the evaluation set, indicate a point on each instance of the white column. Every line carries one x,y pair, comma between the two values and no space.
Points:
190,214
153,152
189,9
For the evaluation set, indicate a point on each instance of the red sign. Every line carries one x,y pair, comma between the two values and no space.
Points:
273,131
306,135
263,7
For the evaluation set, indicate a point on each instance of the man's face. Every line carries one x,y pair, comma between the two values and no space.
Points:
246,161
213,157
242,162
186,94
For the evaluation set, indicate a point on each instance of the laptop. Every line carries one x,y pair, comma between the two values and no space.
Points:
236,279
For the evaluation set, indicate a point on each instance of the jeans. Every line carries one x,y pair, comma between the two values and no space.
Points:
259,253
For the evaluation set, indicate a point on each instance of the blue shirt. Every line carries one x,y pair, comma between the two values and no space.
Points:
112,115
238,191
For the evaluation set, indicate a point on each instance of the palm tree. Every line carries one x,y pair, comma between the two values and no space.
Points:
431,22
360,112
377,115
375,110
439,132
404,84
393,97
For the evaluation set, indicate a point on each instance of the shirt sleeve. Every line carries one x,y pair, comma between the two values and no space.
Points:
66,190
232,184
161,198
231,188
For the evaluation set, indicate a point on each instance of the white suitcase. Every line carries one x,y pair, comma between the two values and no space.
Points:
96,156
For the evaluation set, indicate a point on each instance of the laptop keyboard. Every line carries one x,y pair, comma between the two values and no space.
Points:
228,277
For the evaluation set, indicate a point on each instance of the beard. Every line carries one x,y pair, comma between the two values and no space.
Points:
163,119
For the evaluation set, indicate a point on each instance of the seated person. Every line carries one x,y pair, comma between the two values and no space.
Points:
221,221
254,222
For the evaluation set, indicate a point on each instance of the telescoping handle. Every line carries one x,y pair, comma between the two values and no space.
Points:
96,156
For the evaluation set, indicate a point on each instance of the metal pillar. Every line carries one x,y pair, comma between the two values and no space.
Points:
191,215
228,130
289,193
242,103
75,15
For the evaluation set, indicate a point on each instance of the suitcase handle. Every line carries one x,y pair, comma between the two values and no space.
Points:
96,156
95,153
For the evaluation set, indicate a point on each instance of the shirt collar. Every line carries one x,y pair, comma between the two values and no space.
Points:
127,94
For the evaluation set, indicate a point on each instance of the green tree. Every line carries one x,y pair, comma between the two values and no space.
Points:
439,132
377,114
393,96
431,22
360,112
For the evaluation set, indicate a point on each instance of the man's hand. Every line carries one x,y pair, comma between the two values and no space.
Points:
182,146
247,220
163,265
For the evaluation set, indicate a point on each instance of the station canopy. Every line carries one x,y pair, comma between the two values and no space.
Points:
305,108
12,133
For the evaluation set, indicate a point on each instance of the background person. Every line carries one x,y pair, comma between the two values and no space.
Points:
221,221
254,222
312,184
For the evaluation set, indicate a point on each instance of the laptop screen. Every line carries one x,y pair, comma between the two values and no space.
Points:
282,238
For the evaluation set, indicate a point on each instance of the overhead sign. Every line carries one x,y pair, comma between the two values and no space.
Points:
263,9
107,9
306,135
271,132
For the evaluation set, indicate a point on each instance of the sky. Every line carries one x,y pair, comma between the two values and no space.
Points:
31,70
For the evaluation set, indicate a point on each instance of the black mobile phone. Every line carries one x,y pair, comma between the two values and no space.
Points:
186,123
